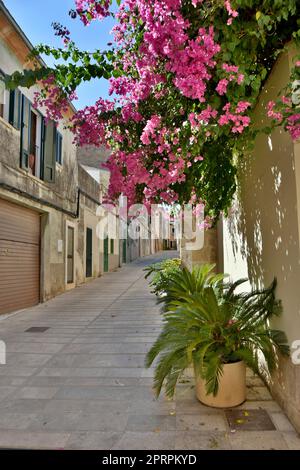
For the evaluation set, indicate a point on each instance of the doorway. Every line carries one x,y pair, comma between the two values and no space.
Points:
105,249
89,252
124,251
70,255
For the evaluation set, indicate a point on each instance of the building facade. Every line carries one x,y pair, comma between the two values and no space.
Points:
48,204
119,250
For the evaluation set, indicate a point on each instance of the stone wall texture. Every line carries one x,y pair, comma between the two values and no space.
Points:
207,254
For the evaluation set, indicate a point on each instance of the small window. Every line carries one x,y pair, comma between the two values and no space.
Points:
112,246
58,148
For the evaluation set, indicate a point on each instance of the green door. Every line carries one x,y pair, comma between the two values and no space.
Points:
105,255
124,250
89,252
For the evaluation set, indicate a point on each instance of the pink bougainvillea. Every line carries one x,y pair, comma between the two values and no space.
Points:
149,129
231,12
235,119
174,93
92,9
55,103
272,113
222,86
277,112
166,49
293,126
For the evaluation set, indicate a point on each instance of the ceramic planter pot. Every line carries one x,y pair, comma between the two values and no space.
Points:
232,387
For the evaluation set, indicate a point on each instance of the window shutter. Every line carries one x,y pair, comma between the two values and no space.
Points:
49,151
15,99
2,94
25,131
58,155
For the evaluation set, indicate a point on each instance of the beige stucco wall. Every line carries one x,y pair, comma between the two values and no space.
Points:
9,63
145,246
261,234
62,193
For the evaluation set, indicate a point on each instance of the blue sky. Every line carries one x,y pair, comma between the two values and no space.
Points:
35,18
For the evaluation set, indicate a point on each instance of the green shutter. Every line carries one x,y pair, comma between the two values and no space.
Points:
49,151
25,131
15,99
89,252
58,155
124,250
105,258
112,246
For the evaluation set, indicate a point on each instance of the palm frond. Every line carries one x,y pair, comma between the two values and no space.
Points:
230,288
207,324
212,373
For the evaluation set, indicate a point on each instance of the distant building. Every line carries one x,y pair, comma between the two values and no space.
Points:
125,249
91,160
171,242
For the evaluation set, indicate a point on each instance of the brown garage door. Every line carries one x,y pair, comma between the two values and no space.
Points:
19,257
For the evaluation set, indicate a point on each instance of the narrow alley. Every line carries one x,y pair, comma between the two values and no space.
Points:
75,379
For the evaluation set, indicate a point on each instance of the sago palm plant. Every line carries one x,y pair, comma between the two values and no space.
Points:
183,283
213,326
161,274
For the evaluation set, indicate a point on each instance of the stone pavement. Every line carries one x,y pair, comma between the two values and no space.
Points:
81,384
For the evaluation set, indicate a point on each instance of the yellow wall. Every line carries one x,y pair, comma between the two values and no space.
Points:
261,235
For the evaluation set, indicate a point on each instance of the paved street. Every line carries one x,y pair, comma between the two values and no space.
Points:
81,384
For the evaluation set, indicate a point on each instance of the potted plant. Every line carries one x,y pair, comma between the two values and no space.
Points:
218,332
162,273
